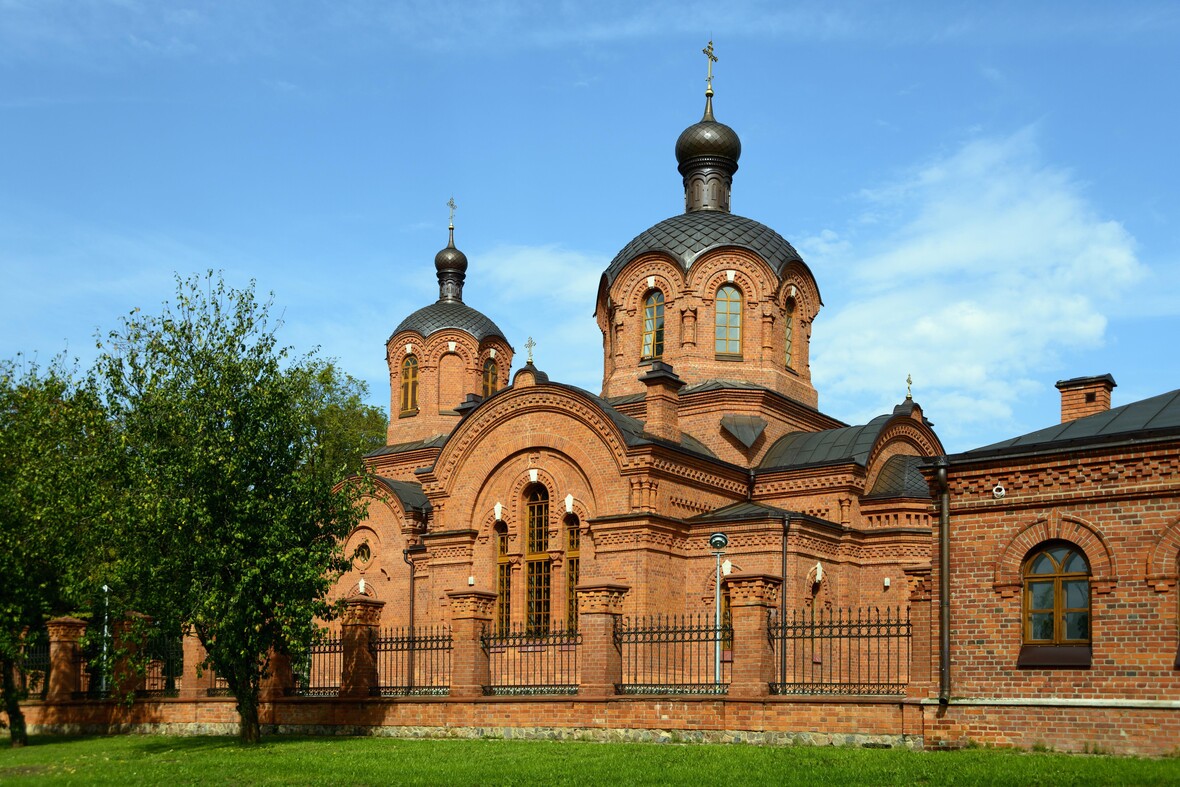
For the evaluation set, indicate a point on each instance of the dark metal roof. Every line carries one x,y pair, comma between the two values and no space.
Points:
400,448
449,314
1157,417
739,511
746,428
901,476
688,235
411,496
846,444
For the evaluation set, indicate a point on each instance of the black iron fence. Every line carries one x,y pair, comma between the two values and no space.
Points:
33,667
863,651
318,670
92,668
165,665
674,654
522,662
412,662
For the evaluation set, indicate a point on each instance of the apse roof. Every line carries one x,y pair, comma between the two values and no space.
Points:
901,476
688,235
436,441
449,314
1148,419
830,446
411,495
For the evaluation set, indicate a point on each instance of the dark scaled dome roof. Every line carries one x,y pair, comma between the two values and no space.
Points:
708,138
450,314
450,259
689,235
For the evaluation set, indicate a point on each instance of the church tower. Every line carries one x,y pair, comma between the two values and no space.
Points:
441,354
717,296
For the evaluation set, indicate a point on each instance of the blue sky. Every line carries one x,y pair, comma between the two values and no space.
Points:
987,193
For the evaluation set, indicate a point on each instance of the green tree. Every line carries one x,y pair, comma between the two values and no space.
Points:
233,465
54,506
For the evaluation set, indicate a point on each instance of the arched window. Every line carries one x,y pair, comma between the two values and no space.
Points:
1056,609
573,540
789,333
728,336
653,325
409,384
490,381
537,560
503,581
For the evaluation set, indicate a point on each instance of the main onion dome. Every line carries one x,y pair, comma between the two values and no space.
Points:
449,311
708,139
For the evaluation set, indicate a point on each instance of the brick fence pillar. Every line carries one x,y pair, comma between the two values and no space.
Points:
280,678
751,596
357,630
65,635
128,638
922,656
191,686
471,612
599,606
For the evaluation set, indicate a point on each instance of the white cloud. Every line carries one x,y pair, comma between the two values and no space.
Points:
989,266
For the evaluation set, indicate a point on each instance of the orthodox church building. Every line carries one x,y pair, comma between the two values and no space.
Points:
707,420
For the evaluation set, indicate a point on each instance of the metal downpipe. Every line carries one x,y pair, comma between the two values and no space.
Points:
944,581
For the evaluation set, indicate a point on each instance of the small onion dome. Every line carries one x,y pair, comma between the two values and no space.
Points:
450,258
708,138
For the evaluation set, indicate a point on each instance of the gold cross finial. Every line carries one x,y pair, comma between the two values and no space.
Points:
708,52
909,382
529,345
452,206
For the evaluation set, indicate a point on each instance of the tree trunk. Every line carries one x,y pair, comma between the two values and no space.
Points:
18,732
248,732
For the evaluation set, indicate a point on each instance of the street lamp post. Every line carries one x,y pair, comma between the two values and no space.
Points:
718,542
105,608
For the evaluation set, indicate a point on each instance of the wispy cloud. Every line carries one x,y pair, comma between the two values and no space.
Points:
982,269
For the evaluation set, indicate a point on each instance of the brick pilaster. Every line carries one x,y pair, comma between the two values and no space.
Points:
65,634
357,630
751,596
599,606
471,612
923,666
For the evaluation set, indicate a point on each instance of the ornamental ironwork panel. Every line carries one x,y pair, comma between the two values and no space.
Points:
412,662
33,666
526,662
675,654
164,667
318,669
842,651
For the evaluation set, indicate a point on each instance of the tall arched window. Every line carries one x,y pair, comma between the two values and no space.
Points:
1056,608
573,539
728,336
490,381
537,560
503,581
789,333
653,325
409,384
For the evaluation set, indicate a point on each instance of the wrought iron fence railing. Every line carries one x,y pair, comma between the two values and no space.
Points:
33,667
92,669
525,662
165,665
674,654
844,651
412,662
318,670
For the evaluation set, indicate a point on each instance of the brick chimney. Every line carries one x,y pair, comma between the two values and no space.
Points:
1084,396
663,401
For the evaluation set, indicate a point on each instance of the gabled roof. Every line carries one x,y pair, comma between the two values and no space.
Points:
830,446
411,495
1148,419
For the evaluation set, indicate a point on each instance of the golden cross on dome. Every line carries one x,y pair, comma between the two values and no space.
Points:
452,206
529,345
909,382
708,52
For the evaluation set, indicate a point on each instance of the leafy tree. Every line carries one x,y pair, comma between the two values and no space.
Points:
232,456
54,506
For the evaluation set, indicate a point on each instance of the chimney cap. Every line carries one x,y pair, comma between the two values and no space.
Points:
1083,382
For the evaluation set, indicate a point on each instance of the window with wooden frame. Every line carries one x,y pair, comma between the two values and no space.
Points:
653,326
491,382
728,323
409,385
573,538
789,333
537,561
503,581
1056,607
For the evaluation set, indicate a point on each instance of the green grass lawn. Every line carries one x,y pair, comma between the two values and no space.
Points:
163,760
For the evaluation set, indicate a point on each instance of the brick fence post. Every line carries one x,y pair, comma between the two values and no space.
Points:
191,686
358,628
922,656
280,678
471,612
751,596
65,634
599,606
128,638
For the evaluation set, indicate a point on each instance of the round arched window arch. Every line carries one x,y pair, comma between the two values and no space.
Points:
1057,596
728,323
789,332
653,325
409,387
537,562
491,382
